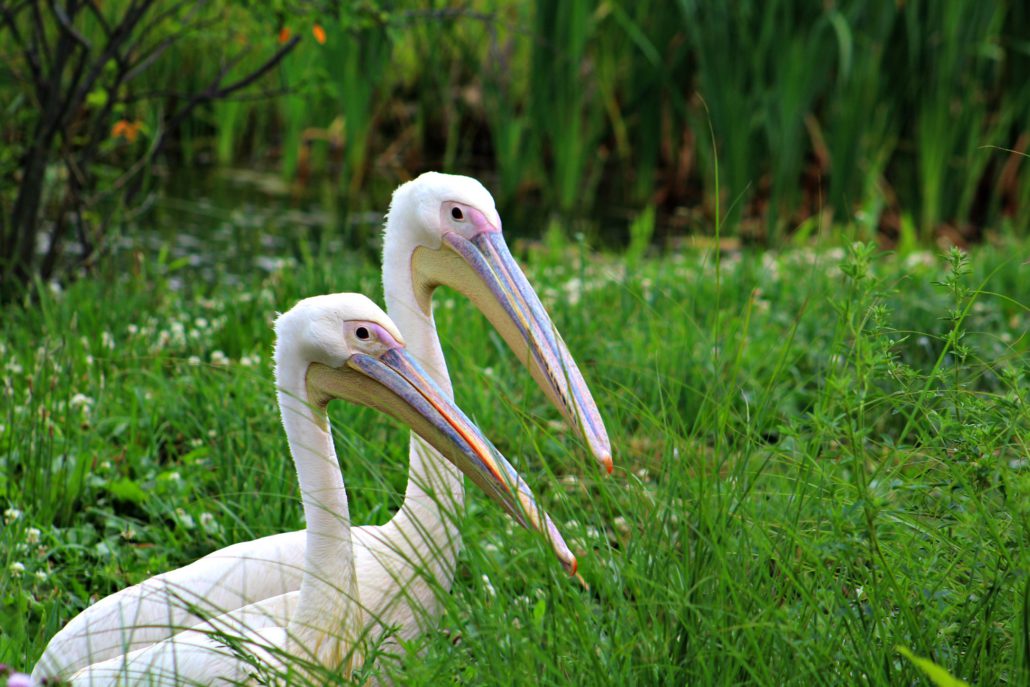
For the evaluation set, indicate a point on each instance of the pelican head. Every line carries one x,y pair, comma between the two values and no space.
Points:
445,230
354,352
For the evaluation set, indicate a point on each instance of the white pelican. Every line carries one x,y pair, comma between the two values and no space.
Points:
441,230
329,347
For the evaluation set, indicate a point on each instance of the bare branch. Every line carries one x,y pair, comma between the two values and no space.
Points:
215,91
144,31
66,24
99,16
153,52
30,54
39,36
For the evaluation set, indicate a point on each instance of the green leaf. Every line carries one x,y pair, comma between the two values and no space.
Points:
938,676
127,490
539,611
97,98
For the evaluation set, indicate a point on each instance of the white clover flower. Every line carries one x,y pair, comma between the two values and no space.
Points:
132,330
11,514
128,534
32,536
41,576
81,401
193,360
219,358
201,323
16,569
13,367
207,520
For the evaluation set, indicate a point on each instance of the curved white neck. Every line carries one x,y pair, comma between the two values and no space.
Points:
328,592
435,493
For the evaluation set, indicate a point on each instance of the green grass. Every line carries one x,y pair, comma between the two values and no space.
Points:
821,455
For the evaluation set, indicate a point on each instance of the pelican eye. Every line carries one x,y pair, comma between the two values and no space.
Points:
457,214
361,333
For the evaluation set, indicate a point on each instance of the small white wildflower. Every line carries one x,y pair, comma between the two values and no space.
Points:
212,433
13,367
621,524
185,518
132,330
32,536
206,520
11,514
489,586
196,443
107,340
128,534
219,358
488,371
193,360
81,401
201,323
41,576
89,360
174,476
17,569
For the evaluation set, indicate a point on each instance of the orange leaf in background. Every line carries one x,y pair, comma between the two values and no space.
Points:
123,128
284,34
319,34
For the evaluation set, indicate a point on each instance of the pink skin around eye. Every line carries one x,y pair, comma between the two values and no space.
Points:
479,221
384,336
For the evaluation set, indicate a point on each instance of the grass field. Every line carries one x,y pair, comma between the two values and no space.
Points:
821,455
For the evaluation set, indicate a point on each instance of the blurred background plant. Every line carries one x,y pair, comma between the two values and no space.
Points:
906,122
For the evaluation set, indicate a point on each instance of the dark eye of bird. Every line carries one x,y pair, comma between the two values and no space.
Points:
457,214
361,333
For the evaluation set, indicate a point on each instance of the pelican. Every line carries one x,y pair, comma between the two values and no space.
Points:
331,347
441,230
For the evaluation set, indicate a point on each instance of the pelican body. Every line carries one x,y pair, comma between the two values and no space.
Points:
441,230
330,347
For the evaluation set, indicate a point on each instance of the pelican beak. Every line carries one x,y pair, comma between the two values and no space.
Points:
394,383
483,269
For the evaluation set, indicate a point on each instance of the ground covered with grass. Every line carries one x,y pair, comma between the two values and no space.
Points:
821,455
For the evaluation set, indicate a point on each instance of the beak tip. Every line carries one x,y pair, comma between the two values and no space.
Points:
606,461
572,567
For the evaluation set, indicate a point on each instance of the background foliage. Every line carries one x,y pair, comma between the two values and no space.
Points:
903,120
